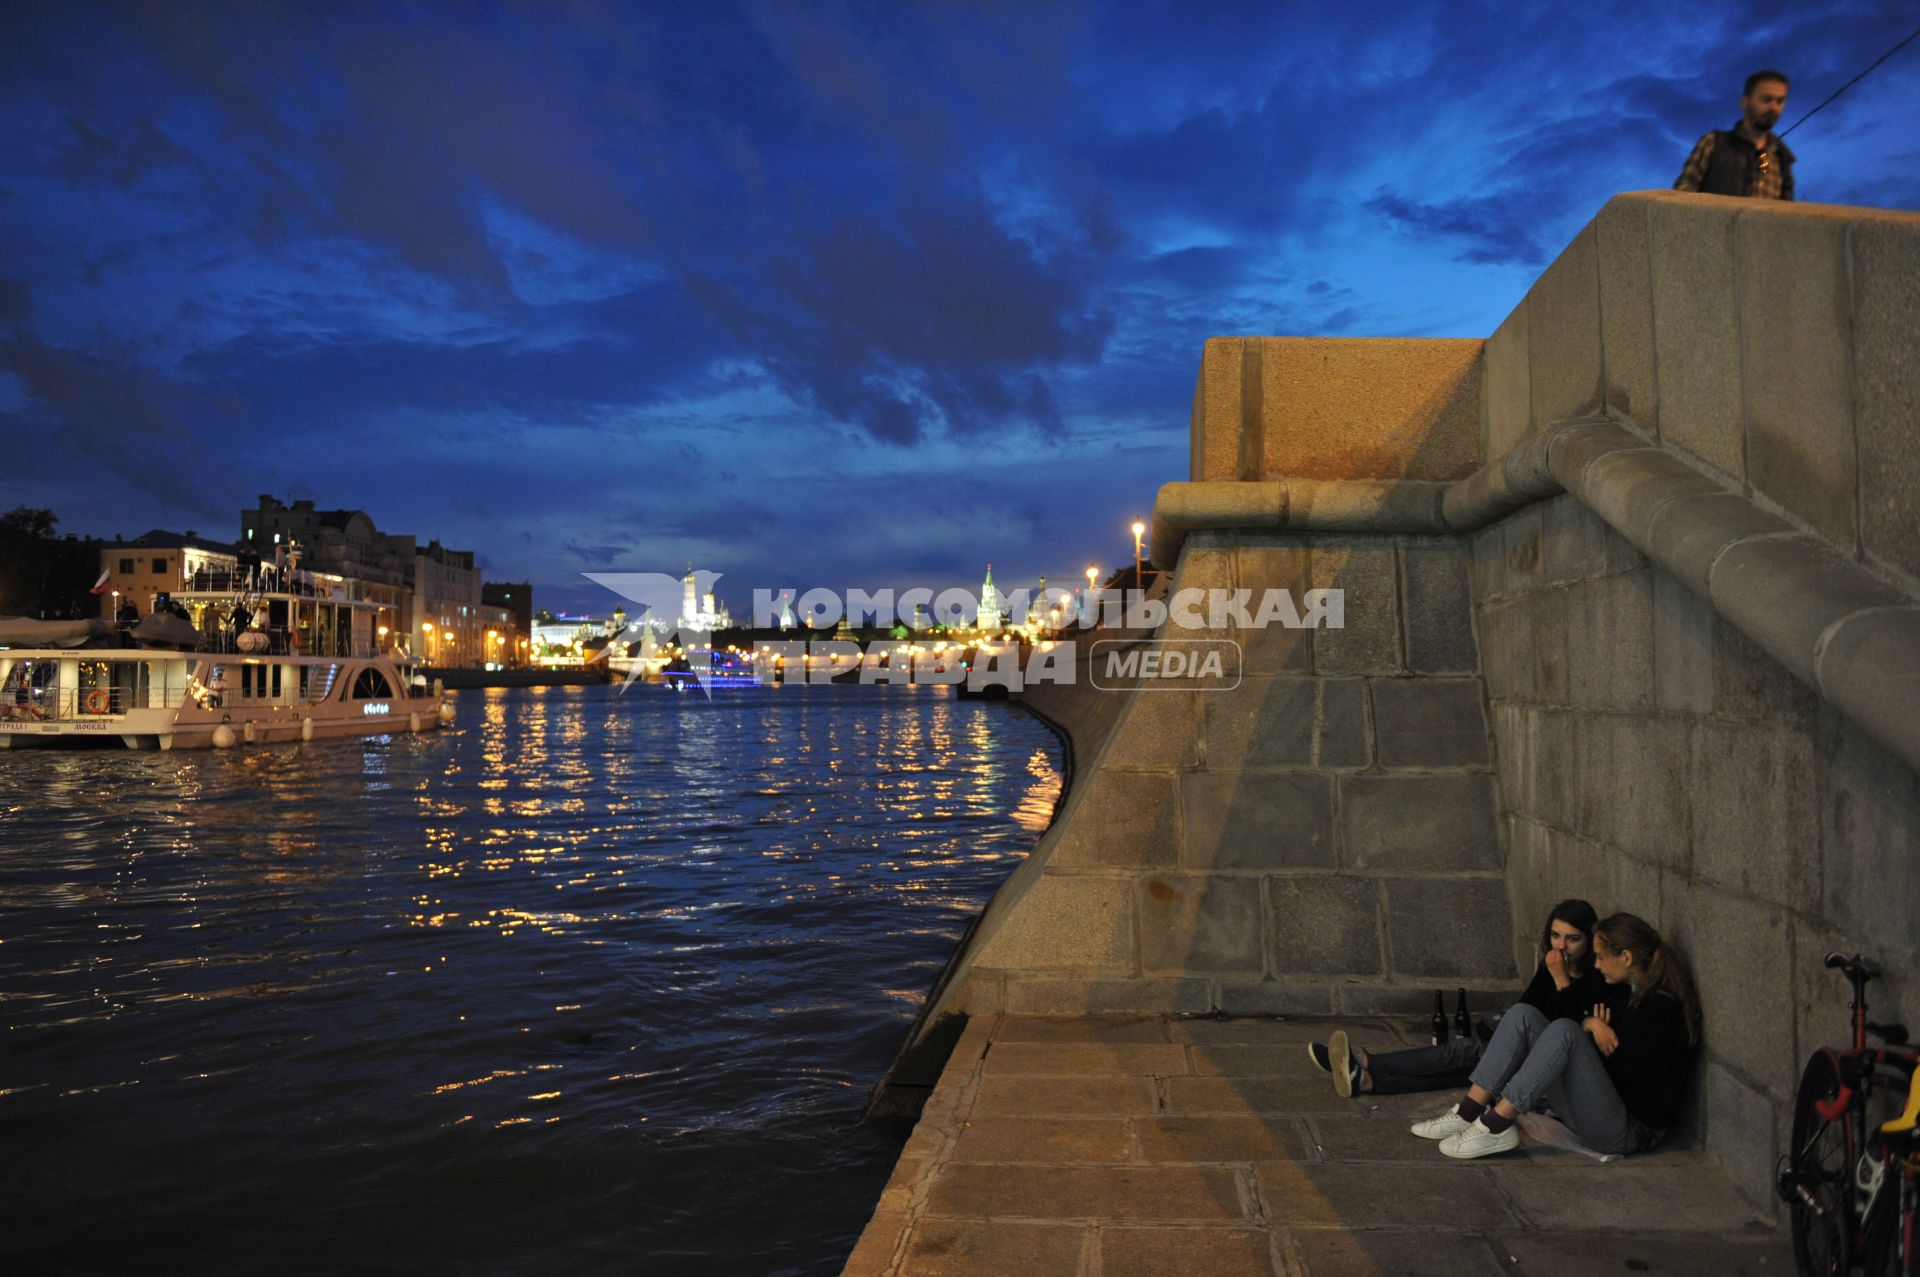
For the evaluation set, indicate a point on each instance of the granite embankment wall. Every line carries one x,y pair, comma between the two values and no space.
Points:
1309,840
1631,615
1666,681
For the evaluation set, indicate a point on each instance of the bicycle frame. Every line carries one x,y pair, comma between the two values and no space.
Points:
1887,1218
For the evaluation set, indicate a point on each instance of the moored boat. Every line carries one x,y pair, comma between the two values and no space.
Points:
297,666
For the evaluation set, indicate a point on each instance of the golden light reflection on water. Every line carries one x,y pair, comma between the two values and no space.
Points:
1035,809
682,923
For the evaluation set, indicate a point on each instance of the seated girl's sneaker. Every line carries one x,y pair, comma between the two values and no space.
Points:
1478,1141
1439,1128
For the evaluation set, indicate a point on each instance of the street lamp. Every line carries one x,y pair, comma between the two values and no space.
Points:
1139,530
1093,574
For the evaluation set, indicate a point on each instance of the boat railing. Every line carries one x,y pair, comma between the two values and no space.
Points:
69,704
281,642
265,579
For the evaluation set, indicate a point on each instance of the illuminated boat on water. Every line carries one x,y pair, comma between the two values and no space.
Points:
301,665
728,670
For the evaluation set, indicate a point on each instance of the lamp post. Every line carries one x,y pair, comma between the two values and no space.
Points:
426,628
1093,574
1139,530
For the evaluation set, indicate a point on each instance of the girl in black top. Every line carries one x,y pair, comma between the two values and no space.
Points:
1617,1079
1563,985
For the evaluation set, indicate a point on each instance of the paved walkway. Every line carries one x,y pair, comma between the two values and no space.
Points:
1104,1147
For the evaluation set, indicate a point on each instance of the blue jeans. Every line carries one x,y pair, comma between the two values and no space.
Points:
1532,1059
1424,1068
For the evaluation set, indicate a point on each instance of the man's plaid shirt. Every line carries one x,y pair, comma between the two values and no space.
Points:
1769,180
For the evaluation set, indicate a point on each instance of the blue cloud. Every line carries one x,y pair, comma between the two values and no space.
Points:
567,283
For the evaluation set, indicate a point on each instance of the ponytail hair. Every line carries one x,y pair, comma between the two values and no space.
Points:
1664,971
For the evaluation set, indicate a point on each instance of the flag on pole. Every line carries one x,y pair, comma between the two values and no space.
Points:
100,586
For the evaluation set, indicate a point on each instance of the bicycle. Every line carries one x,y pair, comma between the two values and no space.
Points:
1852,1186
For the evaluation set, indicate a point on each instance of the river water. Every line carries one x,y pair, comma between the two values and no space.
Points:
590,983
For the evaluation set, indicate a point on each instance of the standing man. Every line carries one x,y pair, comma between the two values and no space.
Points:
1746,159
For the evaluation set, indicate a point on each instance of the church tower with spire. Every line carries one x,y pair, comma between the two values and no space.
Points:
989,603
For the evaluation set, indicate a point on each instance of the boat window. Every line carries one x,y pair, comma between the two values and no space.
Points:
30,690
276,682
371,686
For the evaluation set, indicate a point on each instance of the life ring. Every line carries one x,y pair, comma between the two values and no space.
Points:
98,701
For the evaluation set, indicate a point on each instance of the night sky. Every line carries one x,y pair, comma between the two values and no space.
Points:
811,294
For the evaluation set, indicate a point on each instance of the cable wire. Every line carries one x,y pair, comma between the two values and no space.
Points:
1855,80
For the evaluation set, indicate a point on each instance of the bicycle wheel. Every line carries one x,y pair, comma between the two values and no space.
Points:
1887,1237
1820,1176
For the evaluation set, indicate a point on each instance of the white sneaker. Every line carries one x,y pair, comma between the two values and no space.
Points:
1478,1141
1438,1128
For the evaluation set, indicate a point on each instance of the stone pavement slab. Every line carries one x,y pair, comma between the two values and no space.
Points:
1554,1254
1182,1252
1108,1146
1597,1196
1339,1252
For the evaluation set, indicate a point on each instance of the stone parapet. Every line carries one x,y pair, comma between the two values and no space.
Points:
1770,343
1845,630
1336,408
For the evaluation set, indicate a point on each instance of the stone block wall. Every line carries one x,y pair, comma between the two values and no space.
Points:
1769,344
1652,759
1322,837
1336,408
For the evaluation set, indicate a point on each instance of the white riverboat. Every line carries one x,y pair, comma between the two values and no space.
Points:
303,664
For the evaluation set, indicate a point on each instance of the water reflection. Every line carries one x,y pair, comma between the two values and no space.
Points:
588,979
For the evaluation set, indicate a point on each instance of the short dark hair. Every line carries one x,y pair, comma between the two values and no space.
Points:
1760,77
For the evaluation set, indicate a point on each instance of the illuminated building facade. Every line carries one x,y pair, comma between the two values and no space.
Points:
700,611
989,615
158,563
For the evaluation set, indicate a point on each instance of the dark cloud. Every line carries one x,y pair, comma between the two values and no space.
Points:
1489,229
16,303
120,424
822,290
597,555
